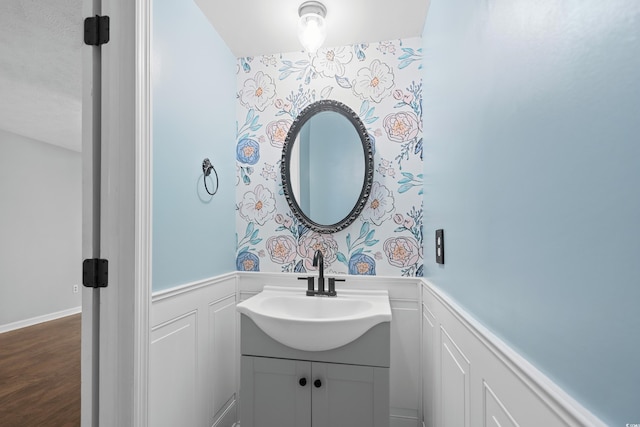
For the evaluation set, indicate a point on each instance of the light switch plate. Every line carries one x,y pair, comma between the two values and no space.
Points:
440,246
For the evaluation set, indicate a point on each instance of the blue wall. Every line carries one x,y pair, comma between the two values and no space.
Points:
532,166
194,84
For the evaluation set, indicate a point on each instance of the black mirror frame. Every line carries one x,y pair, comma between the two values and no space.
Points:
285,170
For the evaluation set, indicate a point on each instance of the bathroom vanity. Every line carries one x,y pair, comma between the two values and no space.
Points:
283,386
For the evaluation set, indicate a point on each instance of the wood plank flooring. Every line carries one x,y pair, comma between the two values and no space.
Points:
40,375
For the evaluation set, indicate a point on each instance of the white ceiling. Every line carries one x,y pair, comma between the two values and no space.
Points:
271,27
40,70
41,45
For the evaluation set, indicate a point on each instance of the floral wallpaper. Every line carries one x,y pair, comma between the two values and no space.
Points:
382,82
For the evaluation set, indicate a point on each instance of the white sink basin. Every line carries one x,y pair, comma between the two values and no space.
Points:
316,323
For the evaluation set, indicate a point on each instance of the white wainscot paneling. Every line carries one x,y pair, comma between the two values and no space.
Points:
495,414
172,372
193,372
471,378
454,383
429,375
194,353
223,358
404,378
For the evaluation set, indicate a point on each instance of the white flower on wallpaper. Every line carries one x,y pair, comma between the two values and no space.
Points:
375,82
310,242
277,132
282,249
331,62
382,83
258,205
402,126
258,92
402,252
379,207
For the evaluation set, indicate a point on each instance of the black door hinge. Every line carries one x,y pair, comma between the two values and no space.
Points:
95,273
96,30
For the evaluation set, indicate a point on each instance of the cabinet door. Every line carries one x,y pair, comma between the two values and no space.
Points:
350,396
271,394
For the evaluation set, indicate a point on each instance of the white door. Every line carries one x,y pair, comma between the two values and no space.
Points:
116,216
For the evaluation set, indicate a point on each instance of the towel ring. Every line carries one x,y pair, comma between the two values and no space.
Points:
207,167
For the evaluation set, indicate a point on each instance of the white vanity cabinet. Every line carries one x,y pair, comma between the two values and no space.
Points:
285,387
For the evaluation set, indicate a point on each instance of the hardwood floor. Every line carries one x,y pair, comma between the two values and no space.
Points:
40,375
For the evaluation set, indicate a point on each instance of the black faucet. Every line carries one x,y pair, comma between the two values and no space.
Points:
318,261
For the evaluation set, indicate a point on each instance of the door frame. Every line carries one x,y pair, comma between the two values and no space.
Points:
117,366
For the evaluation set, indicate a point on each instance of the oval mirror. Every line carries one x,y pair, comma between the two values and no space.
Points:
327,166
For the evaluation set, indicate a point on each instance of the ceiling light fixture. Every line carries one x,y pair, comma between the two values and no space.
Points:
311,27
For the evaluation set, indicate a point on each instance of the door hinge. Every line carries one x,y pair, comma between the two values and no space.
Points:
96,30
95,273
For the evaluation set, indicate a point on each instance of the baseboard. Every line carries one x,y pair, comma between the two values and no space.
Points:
393,422
403,422
39,319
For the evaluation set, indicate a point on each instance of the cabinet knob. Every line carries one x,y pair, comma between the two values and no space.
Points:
317,383
302,382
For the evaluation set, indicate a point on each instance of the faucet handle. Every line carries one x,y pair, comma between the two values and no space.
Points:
332,286
310,285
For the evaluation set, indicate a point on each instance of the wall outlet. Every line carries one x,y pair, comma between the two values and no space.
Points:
76,288
440,246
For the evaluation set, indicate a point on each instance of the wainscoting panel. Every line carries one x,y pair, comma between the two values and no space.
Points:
223,357
480,381
193,377
173,344
446,369
404,380
454,383
495,414
429,375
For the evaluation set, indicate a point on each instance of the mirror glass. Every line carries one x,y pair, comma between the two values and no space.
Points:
329,157
327,166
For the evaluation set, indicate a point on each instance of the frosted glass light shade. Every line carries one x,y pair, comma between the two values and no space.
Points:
311,27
